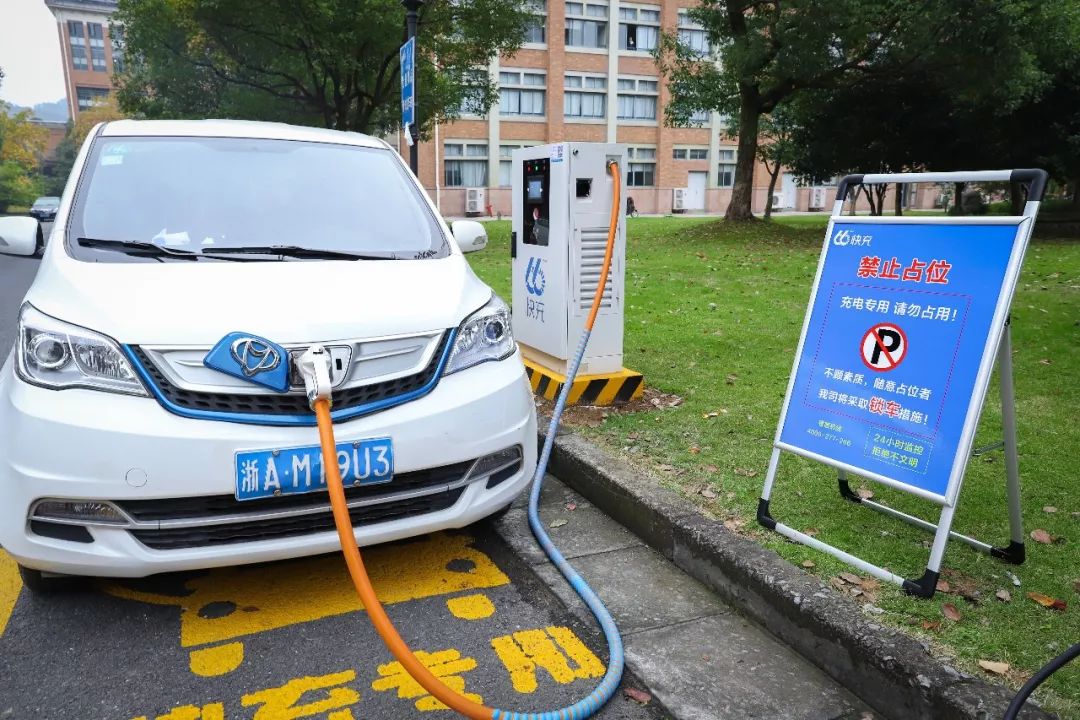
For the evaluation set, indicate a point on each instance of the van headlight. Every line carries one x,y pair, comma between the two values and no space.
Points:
58,355
485,335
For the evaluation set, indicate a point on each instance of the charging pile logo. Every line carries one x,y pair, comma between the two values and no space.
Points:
534,277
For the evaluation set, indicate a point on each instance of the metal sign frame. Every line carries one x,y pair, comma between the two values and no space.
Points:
998,339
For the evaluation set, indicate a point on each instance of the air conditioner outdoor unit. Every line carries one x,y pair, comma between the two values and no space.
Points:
678,199
817,198
777,200
474,201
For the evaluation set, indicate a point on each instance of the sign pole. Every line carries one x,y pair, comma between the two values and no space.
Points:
896,359
408,84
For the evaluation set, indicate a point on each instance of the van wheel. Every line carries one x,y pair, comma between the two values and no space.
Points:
39,249
43,584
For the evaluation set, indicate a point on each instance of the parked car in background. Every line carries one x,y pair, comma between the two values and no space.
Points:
44,208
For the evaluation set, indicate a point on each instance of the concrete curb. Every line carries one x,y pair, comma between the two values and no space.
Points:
890,671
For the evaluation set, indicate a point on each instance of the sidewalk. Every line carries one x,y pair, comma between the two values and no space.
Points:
698,657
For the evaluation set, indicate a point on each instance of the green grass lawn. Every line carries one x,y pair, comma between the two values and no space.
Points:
713,314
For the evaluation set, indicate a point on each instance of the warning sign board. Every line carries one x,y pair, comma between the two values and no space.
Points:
895,344
883,347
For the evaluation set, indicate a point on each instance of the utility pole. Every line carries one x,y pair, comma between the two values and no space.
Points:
412,11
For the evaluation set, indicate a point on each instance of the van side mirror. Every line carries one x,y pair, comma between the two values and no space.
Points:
18,235
470,235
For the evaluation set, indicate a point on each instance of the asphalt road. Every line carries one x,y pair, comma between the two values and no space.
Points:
288,640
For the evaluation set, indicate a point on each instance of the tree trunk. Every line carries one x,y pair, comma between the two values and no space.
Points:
774,175
898,201
1016,199
742,194
958,197
880,191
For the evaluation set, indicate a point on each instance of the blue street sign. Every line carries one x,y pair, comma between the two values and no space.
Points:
894,345
407,56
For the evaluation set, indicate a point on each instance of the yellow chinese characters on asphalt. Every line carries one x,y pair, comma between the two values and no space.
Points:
223,613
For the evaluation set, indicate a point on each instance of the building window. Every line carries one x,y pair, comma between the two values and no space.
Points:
522,93
726,176
536,32
77,40
693,35
89,96
506,162
639,27
690,153
465,164
641,168
586,25
585,96
472,100
97,46
637,99
116,37
699,118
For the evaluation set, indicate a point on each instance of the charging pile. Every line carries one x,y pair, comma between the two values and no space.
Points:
315,368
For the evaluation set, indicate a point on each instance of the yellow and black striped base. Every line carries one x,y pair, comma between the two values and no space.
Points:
605,389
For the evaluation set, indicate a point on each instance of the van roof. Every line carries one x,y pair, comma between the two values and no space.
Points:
235,129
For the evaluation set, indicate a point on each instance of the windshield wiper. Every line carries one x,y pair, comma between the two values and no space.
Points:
132,247
296,251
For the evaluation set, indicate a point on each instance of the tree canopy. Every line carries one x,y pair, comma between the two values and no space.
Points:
332,63
22,146
843,61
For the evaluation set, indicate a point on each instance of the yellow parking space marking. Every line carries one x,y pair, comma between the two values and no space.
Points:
212,711
471,607
523,652
280,703
217,659
447,665
231,603
10,587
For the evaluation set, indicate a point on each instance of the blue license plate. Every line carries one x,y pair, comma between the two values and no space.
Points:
293,471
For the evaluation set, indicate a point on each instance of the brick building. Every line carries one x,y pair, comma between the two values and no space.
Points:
89,52
586,73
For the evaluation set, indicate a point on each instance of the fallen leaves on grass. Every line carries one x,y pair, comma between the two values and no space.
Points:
639,696
811,563
695,450
865,493
1049,509
991,666
1048,602
1003,595
746,473
943,586
1041,536
730,379
708,493
734,524
930,625
850,577
949,610
1045,361
812,532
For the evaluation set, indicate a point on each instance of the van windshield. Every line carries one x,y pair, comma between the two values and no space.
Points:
203,194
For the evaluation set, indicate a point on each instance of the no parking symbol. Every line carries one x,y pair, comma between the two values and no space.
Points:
883,347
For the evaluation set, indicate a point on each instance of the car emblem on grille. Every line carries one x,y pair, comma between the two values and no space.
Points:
252,358
254,355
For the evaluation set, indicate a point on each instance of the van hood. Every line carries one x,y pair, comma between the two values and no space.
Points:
197,303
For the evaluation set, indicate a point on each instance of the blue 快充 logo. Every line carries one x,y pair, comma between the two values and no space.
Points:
534,277
252,358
